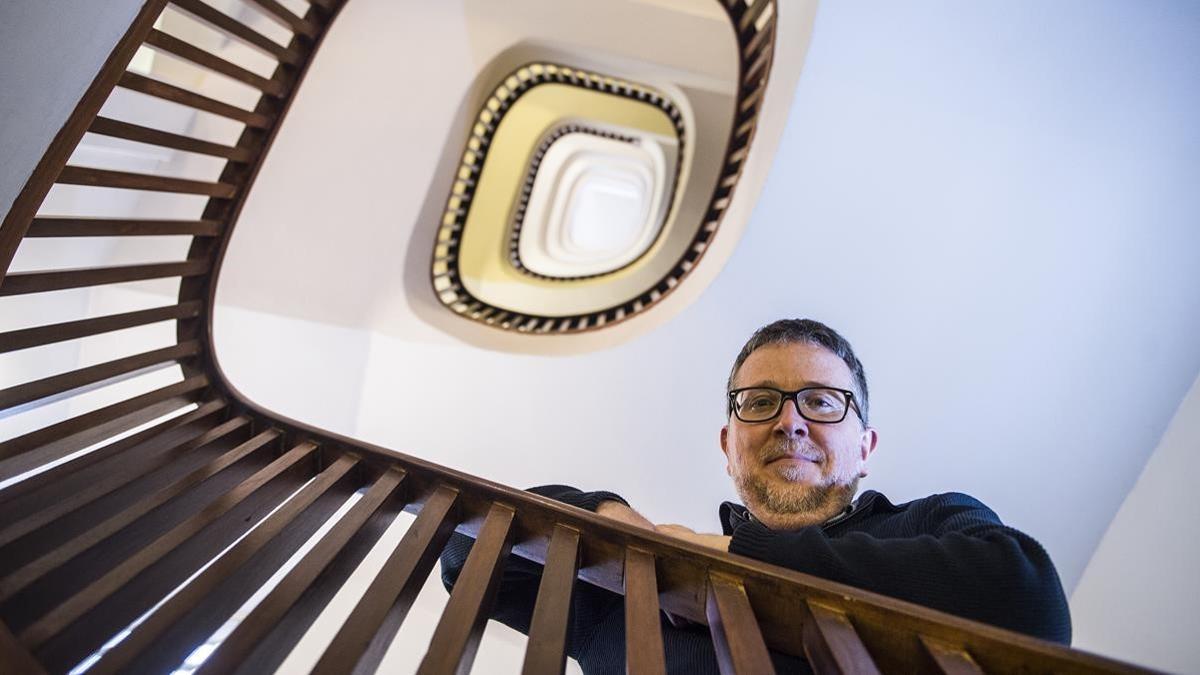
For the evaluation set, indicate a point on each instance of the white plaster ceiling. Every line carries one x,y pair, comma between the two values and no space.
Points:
995,203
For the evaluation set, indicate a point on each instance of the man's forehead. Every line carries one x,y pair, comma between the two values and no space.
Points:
793,365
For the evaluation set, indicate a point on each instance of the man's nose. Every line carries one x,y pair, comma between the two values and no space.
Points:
790,422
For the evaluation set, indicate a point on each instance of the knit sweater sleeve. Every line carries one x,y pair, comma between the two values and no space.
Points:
951,553
520,578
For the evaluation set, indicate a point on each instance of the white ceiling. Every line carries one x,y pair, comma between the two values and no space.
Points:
995,203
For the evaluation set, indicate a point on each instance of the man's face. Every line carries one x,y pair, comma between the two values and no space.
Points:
789,471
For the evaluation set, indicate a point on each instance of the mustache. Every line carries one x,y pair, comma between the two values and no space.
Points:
779,448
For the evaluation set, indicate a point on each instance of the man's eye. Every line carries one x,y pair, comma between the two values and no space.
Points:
760,402
820,402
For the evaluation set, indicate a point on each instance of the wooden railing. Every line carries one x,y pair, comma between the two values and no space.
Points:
110,515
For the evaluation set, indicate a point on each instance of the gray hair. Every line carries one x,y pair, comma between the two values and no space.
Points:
788,331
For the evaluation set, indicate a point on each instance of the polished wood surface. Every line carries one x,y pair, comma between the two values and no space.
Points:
831,643
546,652
362,640
643,628
456,638
734,628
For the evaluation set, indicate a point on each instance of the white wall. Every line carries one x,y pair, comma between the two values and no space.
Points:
50,50
1138,597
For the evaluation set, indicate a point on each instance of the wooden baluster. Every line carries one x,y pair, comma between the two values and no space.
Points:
949,659
14,658
363,639
238,30
456,638
736,637
184,50
238,644
106,126
62,616
287,19
36,336
159,432
546,651
80,175
110,482
142,636
169,92
83,379
47,444
643,626
64,226
96,534
57,280
831,643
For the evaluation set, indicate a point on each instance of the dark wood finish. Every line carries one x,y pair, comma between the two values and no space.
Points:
27,202
46,226
173,45
25,338
238,30
734,628
284,17
142,636
63,615
456,638
101,373
271,651
169,92
240,642
13,656
103,422
949,660
643,625
82,175
40,282
546,652
117,479
831,643
29,573
135,132
382,608
60,472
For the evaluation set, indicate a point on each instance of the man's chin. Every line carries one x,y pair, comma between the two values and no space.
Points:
783,500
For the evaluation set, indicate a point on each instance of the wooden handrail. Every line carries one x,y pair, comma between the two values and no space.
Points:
107,519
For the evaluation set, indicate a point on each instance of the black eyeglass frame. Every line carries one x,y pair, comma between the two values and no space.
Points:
793,396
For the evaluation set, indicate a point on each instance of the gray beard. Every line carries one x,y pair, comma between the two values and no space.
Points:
822,501
818,502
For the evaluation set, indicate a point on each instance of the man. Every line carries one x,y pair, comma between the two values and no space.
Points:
796,443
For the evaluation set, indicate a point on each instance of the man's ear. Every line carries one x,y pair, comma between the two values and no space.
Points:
867,443
725,447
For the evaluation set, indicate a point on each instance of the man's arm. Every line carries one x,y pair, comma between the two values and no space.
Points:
965,562
520,578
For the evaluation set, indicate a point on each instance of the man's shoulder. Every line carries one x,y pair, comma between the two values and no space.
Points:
938,507
879,501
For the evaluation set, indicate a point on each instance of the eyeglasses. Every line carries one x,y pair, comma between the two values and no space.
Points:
824,405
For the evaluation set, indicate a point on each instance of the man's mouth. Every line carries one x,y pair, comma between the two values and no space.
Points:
801,454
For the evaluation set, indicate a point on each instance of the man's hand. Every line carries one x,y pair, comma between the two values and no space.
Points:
717,541
624,514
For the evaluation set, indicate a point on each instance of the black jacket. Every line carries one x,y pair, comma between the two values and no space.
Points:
947,551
